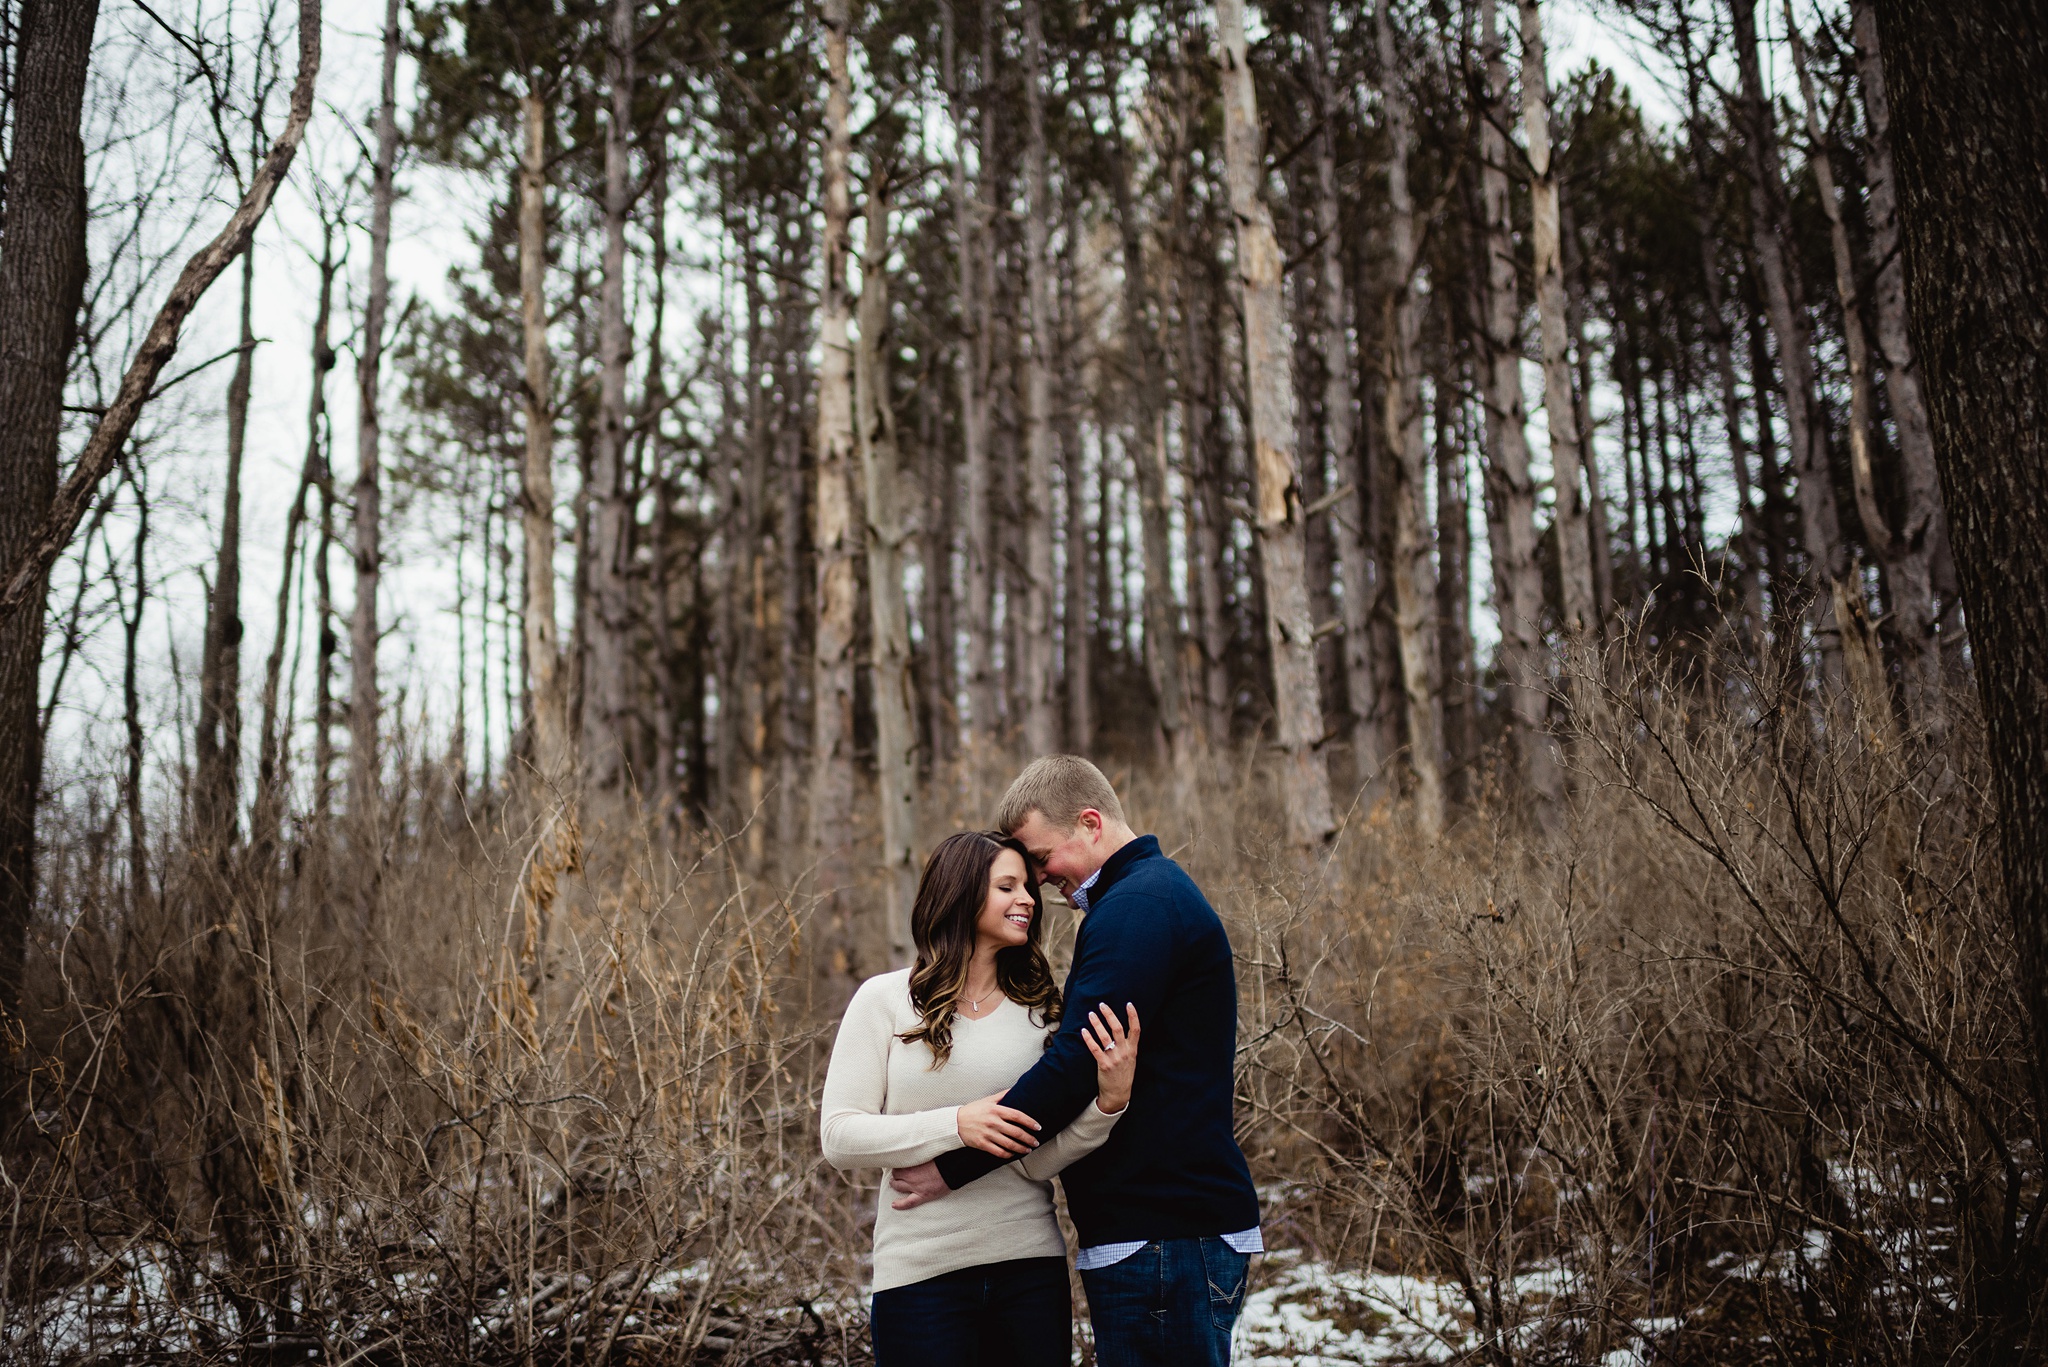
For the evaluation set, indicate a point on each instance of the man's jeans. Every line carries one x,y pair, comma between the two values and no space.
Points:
1014,1314
1172,1303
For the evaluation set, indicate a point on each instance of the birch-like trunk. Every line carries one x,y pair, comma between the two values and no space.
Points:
1785,308
888,610
268,813
217,748
1414,573
1269,384
1567,456
363,714
1149,462
546,679
1041,716
832,530
1511,492
1340,421
607,702
972,364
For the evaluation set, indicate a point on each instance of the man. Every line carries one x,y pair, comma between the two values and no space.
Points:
1165,1209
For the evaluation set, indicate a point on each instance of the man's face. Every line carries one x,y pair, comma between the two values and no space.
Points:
1065,858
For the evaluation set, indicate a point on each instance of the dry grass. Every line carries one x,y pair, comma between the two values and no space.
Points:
1730,1060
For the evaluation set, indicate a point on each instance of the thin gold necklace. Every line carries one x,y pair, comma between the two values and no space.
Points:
974,1003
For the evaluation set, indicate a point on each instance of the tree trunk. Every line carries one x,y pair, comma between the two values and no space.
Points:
1567,458
1965,82
265,823
1150,462
1511,493
1908,579
1453,595
547,680
1041,718
42,280
831,796
363,728
1785,305
217,748
1349,522
1753,536
608,706
1598,531
1925,528
131,706
1414,574
888,610
1269,382
972,362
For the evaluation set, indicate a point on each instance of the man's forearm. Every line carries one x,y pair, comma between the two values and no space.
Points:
1052,1092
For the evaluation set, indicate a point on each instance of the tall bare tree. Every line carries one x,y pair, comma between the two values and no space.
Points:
1341,434
42,280
1269,384
1041,716
546,679
1792,330
973,362
1964,82
1413,571
363,703
888,607
608,692
217,746
1567,456
832,531
1510,491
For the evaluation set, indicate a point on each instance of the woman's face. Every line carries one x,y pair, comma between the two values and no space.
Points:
1006,913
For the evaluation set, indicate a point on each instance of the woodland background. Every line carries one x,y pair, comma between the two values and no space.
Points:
1481,504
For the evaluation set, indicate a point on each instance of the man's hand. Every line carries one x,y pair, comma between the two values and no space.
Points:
918,1185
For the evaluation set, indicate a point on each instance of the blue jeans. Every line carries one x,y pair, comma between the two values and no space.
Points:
1172,1303
1013,1314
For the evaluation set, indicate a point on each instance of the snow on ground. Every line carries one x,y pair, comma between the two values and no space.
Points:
1311,1315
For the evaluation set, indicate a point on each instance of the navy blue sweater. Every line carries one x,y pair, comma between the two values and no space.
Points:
1171,1168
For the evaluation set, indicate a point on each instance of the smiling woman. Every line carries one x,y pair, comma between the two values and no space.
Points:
976,925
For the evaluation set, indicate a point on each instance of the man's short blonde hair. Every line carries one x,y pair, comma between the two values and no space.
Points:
1059,788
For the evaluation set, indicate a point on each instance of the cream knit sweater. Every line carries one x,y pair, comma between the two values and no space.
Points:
885,1106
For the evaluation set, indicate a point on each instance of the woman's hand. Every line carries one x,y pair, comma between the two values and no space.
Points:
994,1128
1116,1055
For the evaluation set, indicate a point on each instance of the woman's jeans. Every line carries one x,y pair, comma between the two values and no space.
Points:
1172,1302
1013,1314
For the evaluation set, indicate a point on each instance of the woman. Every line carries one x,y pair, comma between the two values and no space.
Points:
923,1057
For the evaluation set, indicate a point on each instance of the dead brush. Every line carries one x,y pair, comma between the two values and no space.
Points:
1726,1069
551,1102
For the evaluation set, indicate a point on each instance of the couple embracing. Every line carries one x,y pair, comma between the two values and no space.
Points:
975,1079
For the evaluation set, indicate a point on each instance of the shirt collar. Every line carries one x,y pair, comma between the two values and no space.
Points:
1145,846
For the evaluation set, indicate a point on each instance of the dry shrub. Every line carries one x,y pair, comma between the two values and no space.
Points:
1730,1067
509,1091
1721,1062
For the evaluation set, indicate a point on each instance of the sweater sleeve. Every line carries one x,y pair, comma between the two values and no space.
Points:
1077,1141
856,1132
1123,958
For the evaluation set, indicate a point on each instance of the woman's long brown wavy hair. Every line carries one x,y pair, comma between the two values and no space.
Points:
950,896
